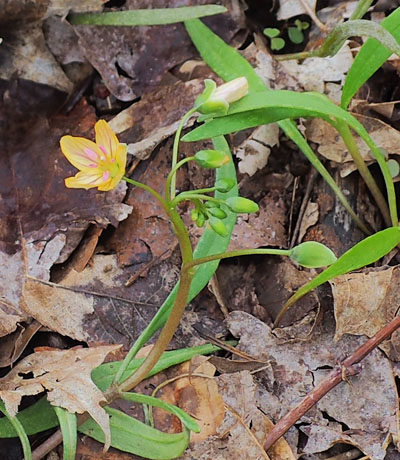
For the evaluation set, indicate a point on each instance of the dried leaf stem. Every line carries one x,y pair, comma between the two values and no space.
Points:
349,367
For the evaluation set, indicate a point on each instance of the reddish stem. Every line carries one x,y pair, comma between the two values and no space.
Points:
348,367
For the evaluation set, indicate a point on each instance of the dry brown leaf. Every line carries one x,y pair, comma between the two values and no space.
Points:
368,405
365,302
254,151
290,8
198,396
309,219
132,60
65,374
332,147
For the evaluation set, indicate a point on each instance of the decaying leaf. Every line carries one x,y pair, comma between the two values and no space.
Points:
365,302
155,117
198,396
132,60
367,405
291,8
65,375
310,218
42,221
332,147
254,152
312,73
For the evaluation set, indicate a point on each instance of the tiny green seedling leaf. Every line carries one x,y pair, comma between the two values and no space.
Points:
394,167
271,32
19,430
296,35
362,254
277,43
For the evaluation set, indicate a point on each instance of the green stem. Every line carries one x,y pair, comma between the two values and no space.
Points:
193,196
172,174
239,252
361,8
155,194
348,139
18,427
176,146
165,336
292,132
187,255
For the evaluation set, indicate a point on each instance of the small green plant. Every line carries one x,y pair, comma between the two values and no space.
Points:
295,34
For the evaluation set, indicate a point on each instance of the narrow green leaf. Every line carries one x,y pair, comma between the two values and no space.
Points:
131,435
370,57
262,108
364,253
20,431
229,64
69,430
148,17
188,421
41,416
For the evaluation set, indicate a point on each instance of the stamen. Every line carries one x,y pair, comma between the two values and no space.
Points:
103,149
93,165
112,160
106,176
91,154
102,158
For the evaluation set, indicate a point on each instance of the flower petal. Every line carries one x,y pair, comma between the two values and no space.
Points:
120,157
85,179
79,151
106,139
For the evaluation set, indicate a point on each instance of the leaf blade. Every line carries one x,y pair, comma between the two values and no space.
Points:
370,57
146,17
69,430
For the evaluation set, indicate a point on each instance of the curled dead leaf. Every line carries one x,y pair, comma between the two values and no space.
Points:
65,374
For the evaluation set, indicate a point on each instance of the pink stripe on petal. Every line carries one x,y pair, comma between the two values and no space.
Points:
93,165
106,175
103,149
91,154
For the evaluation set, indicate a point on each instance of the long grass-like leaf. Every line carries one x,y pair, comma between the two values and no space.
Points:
370,57
19,430
130,435
69,430
229,64
263,108
41,416
148,17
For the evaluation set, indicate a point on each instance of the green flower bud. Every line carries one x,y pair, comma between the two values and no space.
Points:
211,204
218,226
225,185
201,220
194,214
211,159
312,255
216,100
241,205
217,212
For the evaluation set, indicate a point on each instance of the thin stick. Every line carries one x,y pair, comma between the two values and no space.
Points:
348,367
313,16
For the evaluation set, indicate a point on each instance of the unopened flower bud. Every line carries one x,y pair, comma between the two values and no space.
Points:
200,220
217,212
211,159
194,214
312,254
241,205
218,226
216,100
225,185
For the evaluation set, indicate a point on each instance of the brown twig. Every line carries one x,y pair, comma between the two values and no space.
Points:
348,367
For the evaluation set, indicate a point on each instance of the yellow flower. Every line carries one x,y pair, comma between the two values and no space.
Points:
101,164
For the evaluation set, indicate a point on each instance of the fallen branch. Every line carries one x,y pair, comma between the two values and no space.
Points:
349,367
